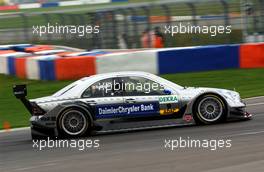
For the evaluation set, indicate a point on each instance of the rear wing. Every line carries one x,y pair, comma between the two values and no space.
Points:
20,92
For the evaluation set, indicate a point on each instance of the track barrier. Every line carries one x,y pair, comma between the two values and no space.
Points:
46,62
252,55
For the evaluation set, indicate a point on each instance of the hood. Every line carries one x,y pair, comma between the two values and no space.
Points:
191,92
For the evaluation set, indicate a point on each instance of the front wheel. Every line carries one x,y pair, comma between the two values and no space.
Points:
74,123
209,109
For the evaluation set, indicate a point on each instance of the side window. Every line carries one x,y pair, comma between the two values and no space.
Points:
102,88
139,86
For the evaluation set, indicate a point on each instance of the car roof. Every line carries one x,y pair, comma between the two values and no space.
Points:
122,73
84,82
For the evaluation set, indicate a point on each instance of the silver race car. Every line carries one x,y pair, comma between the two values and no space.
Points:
124,101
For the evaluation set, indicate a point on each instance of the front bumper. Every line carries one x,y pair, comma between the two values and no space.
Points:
239,113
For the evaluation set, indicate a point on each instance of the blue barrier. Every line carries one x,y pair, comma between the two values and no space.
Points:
212,17
119,0
11,65
50,4
198,59
46,69
93,53
21,47
138,18
4,48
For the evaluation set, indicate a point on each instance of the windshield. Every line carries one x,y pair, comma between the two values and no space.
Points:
163,80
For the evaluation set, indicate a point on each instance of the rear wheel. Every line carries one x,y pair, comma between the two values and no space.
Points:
74,123
209,109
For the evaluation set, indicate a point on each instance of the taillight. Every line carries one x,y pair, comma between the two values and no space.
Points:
36,110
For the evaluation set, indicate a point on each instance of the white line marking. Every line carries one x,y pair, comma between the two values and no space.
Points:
33,167
144,128
250,98
247,133
255,104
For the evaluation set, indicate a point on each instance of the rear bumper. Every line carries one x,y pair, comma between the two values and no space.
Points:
42,128
42,133
43,121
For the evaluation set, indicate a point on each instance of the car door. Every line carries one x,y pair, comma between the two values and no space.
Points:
104,98
147,93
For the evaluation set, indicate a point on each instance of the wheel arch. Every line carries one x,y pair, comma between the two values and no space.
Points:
211,93
221,118
191,104
86,109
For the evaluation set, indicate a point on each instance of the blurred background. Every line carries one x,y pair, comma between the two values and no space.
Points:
123,22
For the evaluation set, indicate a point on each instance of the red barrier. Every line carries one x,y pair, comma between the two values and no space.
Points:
64,54
75,67
252,55
38,48
20,66
9,7
6,51
158,19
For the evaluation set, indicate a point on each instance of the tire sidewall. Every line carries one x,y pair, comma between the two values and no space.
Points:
201,121
84,132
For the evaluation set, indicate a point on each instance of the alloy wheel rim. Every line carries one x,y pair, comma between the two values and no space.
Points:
210,109
74,122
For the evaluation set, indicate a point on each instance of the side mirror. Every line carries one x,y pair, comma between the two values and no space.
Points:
20,91
167,92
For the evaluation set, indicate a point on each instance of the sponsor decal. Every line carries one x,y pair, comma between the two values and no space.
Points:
119,110
168,99
187,118
169,111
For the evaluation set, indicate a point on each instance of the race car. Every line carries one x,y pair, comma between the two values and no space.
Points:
122,101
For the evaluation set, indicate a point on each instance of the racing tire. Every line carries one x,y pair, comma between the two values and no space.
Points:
209,109
74,122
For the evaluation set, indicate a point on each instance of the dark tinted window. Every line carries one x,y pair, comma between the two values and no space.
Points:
103,88
139,86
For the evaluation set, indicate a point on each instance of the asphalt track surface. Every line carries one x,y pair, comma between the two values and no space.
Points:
145,151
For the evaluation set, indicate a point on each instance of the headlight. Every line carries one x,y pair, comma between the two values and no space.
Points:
233,96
